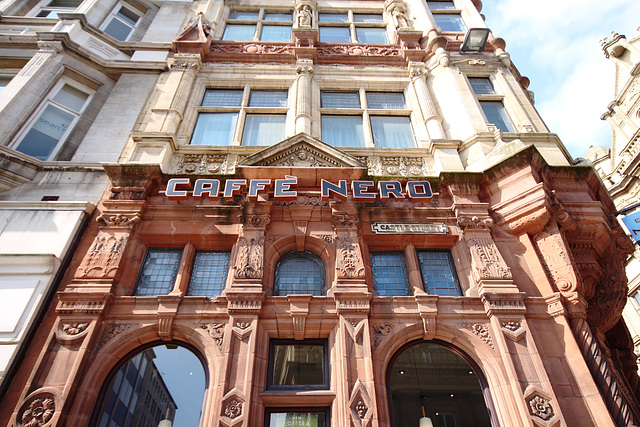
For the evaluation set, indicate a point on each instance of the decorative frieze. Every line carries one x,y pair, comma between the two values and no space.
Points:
218,164
118,220
358,50
397,165
80,306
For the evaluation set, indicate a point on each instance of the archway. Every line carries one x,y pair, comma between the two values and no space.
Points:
163,382
432,376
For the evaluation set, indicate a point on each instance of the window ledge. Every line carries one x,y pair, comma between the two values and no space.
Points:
295,398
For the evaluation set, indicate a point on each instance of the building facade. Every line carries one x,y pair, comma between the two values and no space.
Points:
347,220
618,166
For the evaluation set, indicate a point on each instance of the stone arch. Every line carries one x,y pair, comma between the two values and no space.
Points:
287,244
128,340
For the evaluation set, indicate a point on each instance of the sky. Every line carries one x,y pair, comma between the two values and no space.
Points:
556,44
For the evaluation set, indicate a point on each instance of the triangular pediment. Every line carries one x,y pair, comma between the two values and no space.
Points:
302,151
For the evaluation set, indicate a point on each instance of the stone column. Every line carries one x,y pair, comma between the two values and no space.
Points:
304,68
432,120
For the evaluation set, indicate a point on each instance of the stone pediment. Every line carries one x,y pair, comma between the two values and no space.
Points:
302,151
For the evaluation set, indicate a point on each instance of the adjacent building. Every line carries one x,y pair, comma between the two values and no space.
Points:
349,214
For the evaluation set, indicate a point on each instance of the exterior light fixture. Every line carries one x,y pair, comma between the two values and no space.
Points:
475,40
424,421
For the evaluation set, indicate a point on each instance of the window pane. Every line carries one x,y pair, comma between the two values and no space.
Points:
335,35
333,17
128,16
239,32
315,419
263,129
158,273
214,129
339,99
71,98
44,135
372,35
118,29
300,273
4,81
276,33
438,273
496,115
222,98
450,22
441,5
392,132
386,100
69,4
272,16
367,17
298,365
247,16
209,273
268,98
342,131
481,86
389,271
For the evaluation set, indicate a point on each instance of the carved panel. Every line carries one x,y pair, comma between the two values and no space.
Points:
350,264
249,261
487,261
380,331
396,166
222,164
128,193
252,48
118,220
556,259
112,331
358,50
103,258
302,201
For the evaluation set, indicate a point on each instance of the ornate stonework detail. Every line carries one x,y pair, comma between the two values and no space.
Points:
38,411
233,409
103,257
304,66
482,331
361,408
118,220
216,331
304,16
74,328
255,221
249,260
396,166
398,13
359,50
326,237
128,193
540,407
556,259
511,326
252,48
53,47
303,156
345,221
474,223
488,264
272,238
221,164
74,307
380,330
350,265
184,64
113,331
242,324
303,200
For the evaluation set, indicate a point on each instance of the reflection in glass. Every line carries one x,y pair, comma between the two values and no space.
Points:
439,379
263,129
291,419
335,35
239,32
342,131
298,365
372,35
214,129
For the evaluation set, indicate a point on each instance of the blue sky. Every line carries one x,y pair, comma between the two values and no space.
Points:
556,43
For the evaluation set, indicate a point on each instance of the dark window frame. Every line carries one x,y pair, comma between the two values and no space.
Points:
326,384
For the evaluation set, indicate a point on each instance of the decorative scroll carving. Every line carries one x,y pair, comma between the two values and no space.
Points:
249,260
380,330
216,331
252,48
556,259
326,237
222,164
345,221
38,411
103,257
233,409
74,328
541,407
350,265
396,166
128,193
303,201
488,264
357,50
482,331
118,220
112,331
474,223
360,408
255,221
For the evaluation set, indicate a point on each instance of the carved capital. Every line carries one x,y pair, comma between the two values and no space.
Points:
304,67
118,220
477,223
186,62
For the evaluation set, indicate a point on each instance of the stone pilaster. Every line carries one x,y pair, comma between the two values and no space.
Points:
432,120
304,68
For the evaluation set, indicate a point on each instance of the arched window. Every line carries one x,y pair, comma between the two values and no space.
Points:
433,377
300,273
166,382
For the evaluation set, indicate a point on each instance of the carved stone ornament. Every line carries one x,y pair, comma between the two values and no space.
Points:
252,48
487,262
128,193
345,221
361,408
380,331
118,220
417,69
350,265
222,164
397,165
399,17
255,221
186,64
242,324
112,331
304,16
103,257
216,331
302,200
37,411
540,407
233,409
482,331
249,260
511,326
474,223
74,328
303,156
359,50
75,307
556,259
304,66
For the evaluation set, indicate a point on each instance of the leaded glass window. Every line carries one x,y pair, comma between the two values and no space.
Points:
298,365
251,25
389,271
300,273
481,86
439,273
352,28
209,273
158,273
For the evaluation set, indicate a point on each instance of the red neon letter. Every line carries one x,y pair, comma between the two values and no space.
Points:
359,190
232,187
339,191
206,187
419,191
283,186
172,193
255,186
388,188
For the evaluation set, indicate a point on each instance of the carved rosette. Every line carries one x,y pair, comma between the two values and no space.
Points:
232,409
541,407
37,411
